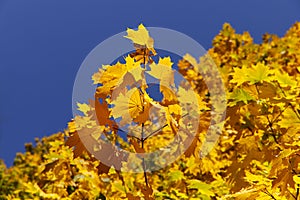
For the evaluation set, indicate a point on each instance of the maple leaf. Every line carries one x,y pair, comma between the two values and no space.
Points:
163,71
259,73
169,96
290,119
143,44
285,80
239,95
176,175
131,63
166,61
134,105
140,37
255,74
201,187
132,78
239,76
84,108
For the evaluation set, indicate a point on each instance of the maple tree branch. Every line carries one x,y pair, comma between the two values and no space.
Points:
295,197
280,113
293,108
292,194
121,130
151,134
271,127
268,193
144,164
144,61
123,181
270,123
292,168
142,134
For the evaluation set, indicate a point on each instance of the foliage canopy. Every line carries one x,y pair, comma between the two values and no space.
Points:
257,155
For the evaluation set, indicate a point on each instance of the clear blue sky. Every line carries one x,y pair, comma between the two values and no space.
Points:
43,43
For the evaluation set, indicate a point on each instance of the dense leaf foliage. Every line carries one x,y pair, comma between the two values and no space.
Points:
257,155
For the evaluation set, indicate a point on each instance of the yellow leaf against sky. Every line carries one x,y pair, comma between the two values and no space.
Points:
130,63
133,69
83,107
140,37
163,71
166,61
112,75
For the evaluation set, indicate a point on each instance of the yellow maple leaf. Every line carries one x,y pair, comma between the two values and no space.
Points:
131,106
191,101
169,96
285,80
130,63
290,119
84,108
111,76
239,75
140,37
259,72
187,96
166,61
163,71
83,122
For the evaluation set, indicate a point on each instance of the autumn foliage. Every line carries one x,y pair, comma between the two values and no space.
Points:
256,156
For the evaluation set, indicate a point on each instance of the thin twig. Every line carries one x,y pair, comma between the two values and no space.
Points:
280,113
268,193
292,194
144,164
271,127
127,133
293,108
142,134
151,134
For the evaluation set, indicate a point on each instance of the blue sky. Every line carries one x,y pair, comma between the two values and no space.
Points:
43,43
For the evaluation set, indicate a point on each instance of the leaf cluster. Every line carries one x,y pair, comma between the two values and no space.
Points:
257,155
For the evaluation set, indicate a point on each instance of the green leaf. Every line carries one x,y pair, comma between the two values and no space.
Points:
202,187
285,80
259,73
176,175
240,95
